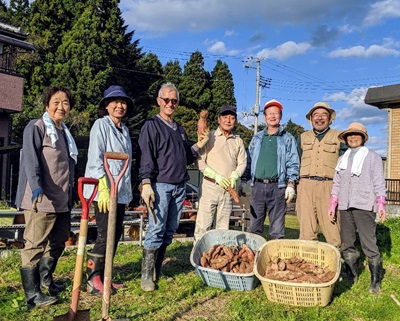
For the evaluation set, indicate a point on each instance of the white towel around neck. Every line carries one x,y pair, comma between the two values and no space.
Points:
52,132
358,161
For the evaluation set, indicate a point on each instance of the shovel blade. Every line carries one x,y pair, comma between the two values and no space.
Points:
80,315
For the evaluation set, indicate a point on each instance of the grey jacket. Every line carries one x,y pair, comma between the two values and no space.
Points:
46,167
360,192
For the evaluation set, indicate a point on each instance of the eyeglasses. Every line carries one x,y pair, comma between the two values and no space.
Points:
167,101
323,115
272,114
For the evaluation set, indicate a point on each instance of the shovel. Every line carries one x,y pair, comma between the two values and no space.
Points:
73,313
112,220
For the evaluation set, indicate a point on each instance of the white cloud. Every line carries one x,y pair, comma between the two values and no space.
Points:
358,110
365,52
347,29
163,16
219,48
229,33
381,10
373,118
285,50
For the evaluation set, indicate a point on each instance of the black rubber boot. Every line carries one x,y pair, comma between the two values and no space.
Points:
375,267
47,266
159,261
350,260
148,263
31,283
94,273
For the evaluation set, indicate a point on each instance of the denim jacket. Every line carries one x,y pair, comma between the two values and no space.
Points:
288,157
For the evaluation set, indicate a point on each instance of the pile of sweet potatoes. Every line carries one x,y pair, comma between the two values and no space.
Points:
296,269
236,259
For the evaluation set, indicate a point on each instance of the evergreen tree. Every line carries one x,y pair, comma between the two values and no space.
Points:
195,86
19,12
295,129
245,133
4,17
146,77
173,72
222,90
83,60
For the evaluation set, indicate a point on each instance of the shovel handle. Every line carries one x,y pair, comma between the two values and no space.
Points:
76,287
112,217
86,204
115,156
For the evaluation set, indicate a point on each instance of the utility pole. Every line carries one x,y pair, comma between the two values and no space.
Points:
255,110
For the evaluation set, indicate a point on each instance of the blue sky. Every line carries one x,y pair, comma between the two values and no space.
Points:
314,50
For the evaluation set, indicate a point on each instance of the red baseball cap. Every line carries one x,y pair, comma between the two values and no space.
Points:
271,103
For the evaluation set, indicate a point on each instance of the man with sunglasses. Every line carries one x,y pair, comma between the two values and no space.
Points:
319,149
165,153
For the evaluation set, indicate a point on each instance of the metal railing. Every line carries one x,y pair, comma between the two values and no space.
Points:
393,191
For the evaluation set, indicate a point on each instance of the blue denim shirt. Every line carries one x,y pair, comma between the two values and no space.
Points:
105,137
288,157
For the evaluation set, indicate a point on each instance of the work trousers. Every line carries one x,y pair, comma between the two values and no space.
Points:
45,236
215,208
267,197
168,210
363,222
312,206
102,228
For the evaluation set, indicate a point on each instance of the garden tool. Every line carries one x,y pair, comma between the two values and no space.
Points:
73,313
112,220
153,215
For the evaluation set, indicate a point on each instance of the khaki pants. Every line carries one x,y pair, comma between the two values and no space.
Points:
215,208
312,208
45,236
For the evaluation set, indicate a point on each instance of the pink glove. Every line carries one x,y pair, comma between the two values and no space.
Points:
332,208
381,201
333,203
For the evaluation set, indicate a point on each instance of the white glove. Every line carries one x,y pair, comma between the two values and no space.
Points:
203,138
148,195
233,179
289,193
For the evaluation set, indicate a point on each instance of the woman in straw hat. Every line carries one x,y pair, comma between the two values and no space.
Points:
359,191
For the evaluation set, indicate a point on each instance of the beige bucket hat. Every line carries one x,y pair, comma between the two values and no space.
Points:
354,128
324,105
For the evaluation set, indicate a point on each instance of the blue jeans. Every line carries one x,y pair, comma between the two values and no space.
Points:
168,210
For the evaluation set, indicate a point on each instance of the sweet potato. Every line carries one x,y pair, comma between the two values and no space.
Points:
202,122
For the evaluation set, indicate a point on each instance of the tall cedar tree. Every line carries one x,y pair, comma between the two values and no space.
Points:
4,13
83,60
83,45
173,72
19,12
222,91
195,86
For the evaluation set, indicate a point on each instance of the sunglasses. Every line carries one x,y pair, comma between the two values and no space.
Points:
167,101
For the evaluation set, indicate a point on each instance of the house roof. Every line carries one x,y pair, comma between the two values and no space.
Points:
14,36
383,97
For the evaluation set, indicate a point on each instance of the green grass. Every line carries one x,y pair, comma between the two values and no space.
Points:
182,295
